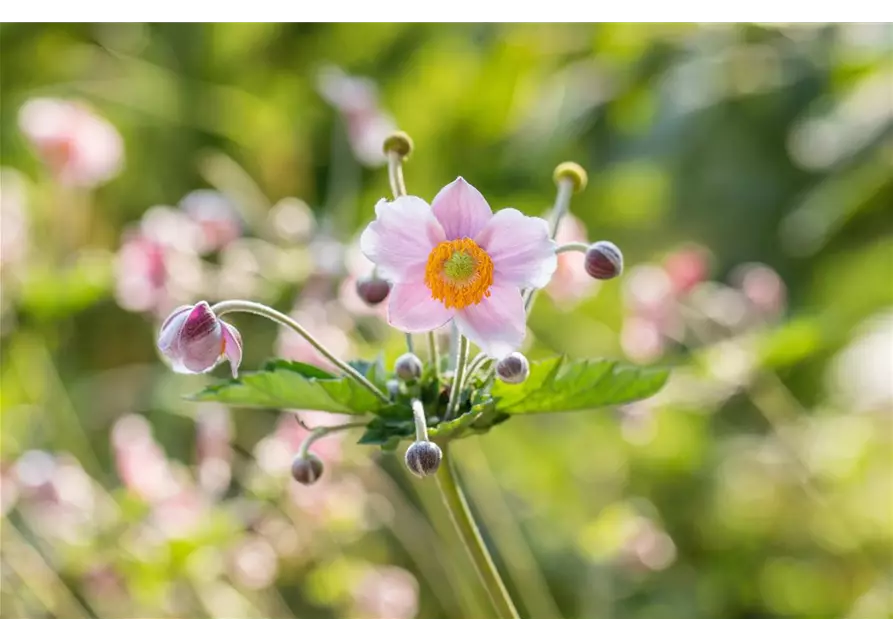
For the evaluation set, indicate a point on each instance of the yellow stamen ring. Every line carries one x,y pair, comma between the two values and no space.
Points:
459,273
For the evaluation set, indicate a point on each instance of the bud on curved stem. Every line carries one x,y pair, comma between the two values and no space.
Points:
604,260
306,467
423,456
246,306
571,178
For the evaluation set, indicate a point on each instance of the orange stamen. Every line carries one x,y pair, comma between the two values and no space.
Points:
459,273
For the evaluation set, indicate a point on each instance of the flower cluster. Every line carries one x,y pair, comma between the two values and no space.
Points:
451,263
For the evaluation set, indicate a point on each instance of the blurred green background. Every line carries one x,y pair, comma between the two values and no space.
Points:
745,171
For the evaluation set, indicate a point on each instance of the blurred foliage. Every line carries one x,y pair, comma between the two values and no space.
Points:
745,170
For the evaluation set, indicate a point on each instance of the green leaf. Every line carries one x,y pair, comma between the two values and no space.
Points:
561,385
478,420
288,385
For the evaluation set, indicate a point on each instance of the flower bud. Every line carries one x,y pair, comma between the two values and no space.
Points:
408,367
195,341
573,172
513,369
604,260
423,458
398,142
373,290
306,469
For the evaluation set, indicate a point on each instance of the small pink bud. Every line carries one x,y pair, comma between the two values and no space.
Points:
195,340
408,367
604,260
373,290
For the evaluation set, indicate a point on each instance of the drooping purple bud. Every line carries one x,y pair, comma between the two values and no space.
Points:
306,469
423,458
408,367
194,340
513,369
373,290
604,260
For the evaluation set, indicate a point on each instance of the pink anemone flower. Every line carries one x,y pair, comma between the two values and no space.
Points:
194,340
456,260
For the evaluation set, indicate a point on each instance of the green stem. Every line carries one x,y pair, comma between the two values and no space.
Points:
561,206
421,425
322,432
582,247
458,378
460,514
246,306
434,354
476,363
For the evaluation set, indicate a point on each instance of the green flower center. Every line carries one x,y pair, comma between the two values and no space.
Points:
460,266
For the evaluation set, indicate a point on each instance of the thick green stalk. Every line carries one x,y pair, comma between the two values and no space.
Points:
458,378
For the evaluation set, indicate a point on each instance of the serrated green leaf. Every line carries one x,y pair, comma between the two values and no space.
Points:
288,385
561,385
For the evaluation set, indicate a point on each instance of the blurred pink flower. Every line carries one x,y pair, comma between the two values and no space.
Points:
387,593
316,319
141,464
213,434
79,147
356,99
14,228
254,563
140,274
218,221
763,288
687,268
571,283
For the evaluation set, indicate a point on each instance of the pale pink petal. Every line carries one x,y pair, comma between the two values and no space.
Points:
411,308
170,330
461,210
232,346
523,254
400,240
496,324
200,343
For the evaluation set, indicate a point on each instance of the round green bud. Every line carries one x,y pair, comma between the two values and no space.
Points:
306,469
573,172
513,369
423,458
399,143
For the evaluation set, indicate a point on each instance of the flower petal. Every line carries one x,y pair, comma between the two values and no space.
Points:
200,342
232,346
412,309
523,254
400,240
496,324
170,330
461,210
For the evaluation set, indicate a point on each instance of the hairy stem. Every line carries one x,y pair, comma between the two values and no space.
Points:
582,247
322,432
460,514
246,306
421,425
458,378
434,354
561,206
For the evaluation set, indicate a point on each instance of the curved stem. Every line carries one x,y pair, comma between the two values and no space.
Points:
246,306
582,247
322,432
561,206
460,514
458,378
476,363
